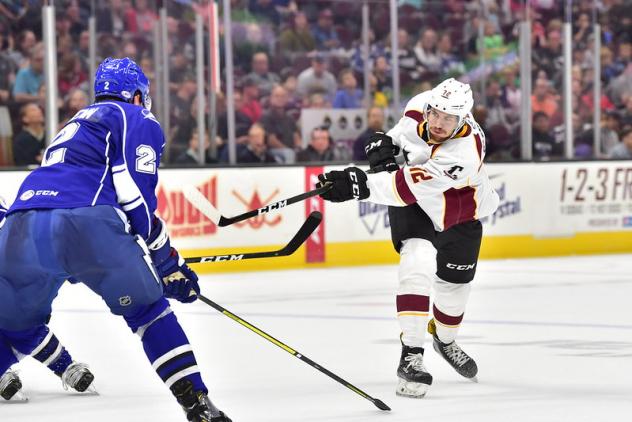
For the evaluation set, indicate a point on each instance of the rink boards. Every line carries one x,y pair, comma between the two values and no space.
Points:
546,209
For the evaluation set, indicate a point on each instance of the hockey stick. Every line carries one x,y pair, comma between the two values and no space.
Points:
313,220
200,202
377,402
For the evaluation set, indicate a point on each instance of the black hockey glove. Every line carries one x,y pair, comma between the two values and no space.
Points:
380,151
347,184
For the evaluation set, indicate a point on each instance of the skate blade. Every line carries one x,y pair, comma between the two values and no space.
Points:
474,379
91,391
17,398
413,390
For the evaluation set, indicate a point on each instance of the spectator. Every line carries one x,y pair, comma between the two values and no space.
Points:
25,43
623,150
71,74
627,112
255,150
496,110
265,9
29,80
317,101
426,51
181,101
28,145
297,38
449,63
114,17
75,101
251,106
316,79
261,74
242,121
408,63
542,100
283,136
544,145
493,41
582,32
142,19
7,72
324,32
610,126
192,155
320,148
348,95
375,123
550,57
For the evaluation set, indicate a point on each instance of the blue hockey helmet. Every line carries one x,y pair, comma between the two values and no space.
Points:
122,78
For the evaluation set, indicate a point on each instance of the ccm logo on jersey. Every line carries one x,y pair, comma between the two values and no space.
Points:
222,258
460,267
31,193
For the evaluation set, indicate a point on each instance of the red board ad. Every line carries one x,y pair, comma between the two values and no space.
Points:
316,242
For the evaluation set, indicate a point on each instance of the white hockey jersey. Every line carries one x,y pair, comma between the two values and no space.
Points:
447,179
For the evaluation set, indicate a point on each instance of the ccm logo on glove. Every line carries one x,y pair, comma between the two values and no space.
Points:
345,185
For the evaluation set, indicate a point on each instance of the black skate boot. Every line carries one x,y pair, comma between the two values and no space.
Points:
78,377
10,385
196,404
454,355
414,380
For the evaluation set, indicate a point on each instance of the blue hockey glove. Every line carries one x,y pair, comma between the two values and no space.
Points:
347,184
179,281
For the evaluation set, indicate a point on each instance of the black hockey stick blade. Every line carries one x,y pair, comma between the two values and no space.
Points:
377,402
202,203
308,227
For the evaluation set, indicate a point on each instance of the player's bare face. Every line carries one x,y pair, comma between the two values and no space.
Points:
441,125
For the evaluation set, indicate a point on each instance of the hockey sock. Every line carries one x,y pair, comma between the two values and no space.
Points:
449,308
41,344
52,353
7,357
166,345
416,269
412,314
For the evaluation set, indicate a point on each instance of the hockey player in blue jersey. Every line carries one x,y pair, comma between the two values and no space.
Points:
88,214
51,353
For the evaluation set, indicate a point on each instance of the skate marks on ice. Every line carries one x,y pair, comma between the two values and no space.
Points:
548,336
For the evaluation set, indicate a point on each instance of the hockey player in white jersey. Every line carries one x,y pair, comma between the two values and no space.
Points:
435,202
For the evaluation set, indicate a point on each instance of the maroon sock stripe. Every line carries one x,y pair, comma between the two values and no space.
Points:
446,319
415,303
402,188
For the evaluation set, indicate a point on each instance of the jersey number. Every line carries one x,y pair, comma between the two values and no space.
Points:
58,155
419,175
146,159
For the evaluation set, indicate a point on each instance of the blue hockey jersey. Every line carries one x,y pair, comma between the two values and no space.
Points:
107,154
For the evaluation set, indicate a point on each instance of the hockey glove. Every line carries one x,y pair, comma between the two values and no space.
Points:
381,152
179,281
346,185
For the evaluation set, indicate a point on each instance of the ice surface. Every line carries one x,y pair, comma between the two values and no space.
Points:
552,338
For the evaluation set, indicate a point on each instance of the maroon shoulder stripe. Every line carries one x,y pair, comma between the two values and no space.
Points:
413,303
416,115
479,146
402,188
446,319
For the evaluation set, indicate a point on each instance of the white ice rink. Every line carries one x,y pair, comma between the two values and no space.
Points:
552,338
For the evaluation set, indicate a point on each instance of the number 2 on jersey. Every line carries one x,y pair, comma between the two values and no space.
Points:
146,159
54,155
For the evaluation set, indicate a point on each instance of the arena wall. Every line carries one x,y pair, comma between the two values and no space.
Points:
547,209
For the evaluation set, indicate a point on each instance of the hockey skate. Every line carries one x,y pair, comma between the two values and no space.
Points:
454,355
78,377
11,386
196,404
414,380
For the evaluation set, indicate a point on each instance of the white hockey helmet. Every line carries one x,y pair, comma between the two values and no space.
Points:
452,97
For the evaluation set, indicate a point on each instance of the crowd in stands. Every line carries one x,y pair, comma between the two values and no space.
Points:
293,55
